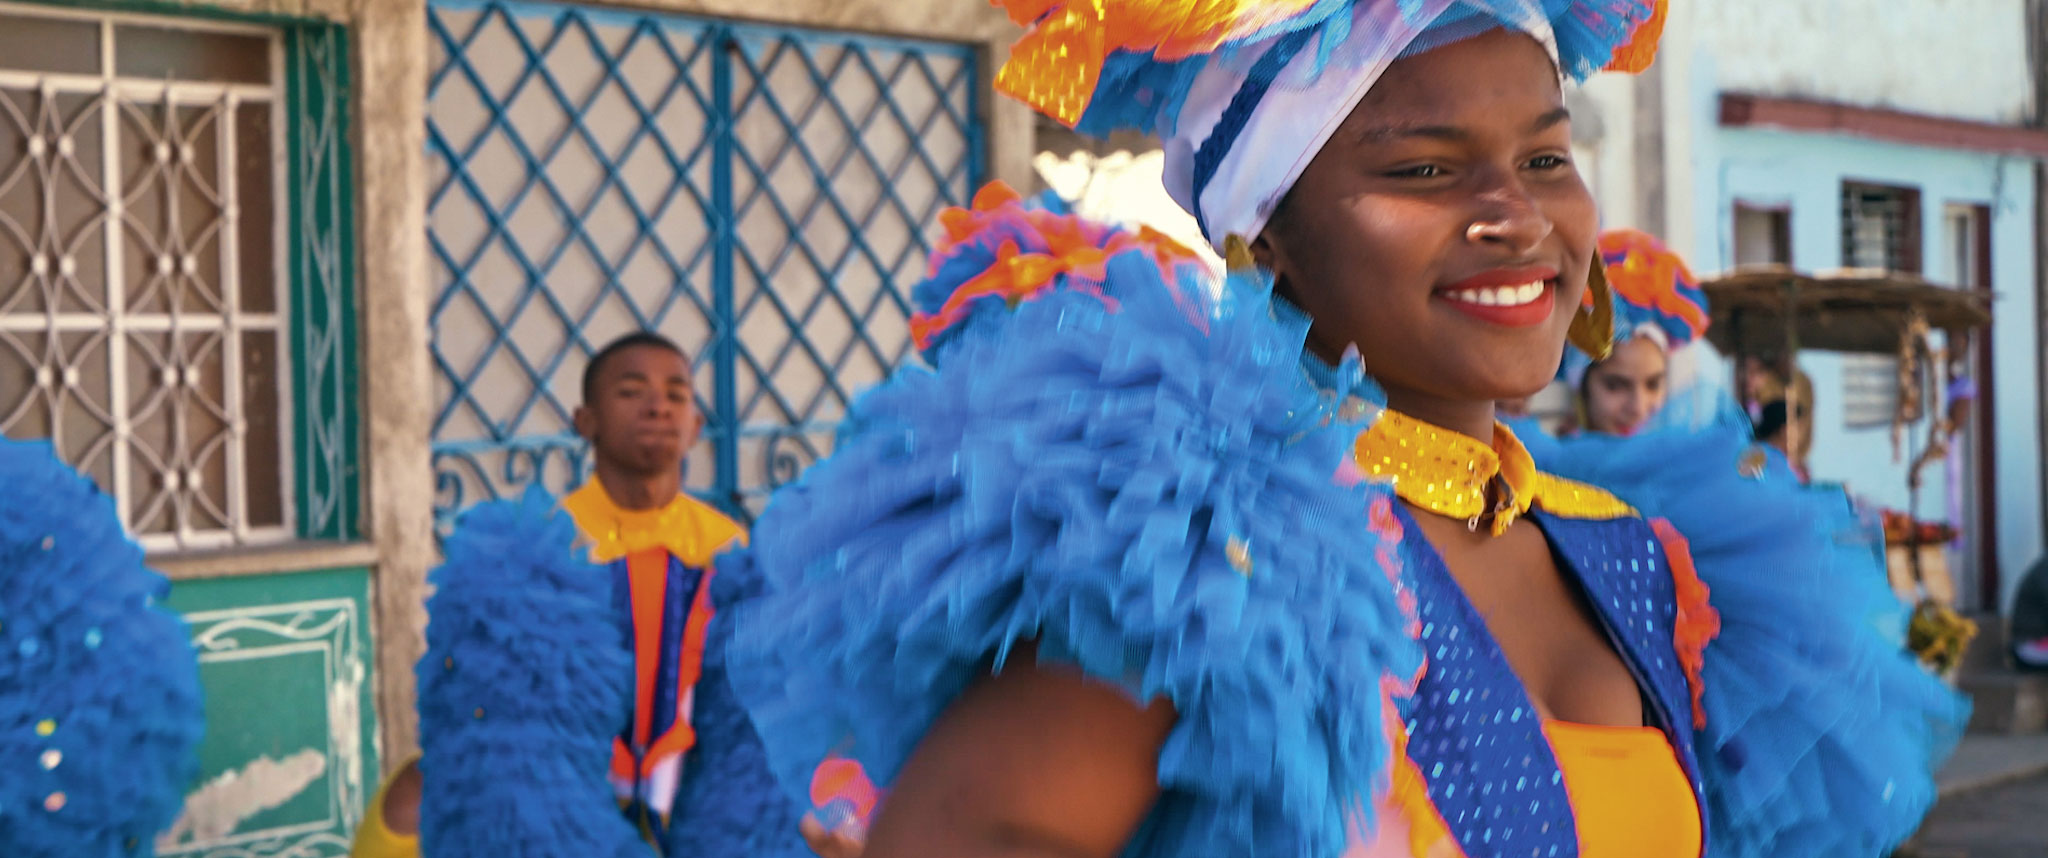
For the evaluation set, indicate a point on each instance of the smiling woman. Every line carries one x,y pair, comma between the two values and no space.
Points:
1126,571
1444,231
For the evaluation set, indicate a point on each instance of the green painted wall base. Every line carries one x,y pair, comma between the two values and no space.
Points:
290,749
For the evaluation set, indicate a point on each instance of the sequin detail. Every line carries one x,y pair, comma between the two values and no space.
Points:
1449,474
1628,580
1579,500
1474,735
1445,472
687,527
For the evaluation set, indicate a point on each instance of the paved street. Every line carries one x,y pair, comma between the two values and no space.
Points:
2010,821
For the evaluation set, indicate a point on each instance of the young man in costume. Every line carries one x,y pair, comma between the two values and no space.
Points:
617,677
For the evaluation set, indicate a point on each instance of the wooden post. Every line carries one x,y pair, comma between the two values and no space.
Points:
1792,371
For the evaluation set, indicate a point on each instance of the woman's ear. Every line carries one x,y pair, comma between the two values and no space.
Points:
1266,251
1269,253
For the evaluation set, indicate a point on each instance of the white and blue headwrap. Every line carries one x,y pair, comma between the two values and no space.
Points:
1245,92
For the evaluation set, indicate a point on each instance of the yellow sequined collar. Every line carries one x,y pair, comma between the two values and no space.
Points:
1447,473
687,527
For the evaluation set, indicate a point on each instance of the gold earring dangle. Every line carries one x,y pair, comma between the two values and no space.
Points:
1592,329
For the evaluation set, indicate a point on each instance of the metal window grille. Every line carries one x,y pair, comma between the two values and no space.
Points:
759,195
1880,229
144,259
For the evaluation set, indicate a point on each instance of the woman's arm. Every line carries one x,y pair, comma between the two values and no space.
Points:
1036,761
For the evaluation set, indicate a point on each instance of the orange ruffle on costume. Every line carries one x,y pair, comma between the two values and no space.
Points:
1062,246
1698,622
1641,49
1056,66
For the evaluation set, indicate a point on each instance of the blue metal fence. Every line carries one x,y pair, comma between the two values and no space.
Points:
760,195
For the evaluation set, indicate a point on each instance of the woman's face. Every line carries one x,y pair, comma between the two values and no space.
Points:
1624,391
1444,229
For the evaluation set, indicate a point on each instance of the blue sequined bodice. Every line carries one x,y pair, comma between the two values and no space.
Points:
1473,731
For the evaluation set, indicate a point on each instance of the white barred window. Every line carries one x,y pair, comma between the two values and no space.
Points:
142,299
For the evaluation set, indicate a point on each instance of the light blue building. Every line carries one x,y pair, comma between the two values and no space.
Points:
1905,139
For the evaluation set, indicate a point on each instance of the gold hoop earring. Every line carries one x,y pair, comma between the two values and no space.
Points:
1592,329
1237,255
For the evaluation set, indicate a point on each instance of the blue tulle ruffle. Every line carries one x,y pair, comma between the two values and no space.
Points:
522,690
1822,732
100,715
1142,487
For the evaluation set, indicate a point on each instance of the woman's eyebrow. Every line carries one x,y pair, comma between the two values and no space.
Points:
1450,133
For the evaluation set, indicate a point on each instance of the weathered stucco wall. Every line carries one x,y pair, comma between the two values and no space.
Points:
1965,59
391,83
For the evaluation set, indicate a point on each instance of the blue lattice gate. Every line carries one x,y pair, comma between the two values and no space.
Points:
760,195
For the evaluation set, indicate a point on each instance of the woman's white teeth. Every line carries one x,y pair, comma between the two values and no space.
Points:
1501,296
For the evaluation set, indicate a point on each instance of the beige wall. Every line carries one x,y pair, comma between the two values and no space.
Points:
1965,59
389,38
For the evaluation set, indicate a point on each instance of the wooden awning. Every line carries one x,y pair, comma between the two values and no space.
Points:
1852,310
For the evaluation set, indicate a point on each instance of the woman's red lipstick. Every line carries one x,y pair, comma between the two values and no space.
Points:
1510,297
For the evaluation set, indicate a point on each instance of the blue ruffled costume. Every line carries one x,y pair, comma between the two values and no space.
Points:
1138,482
100,715
1144,492
526,683
1823,732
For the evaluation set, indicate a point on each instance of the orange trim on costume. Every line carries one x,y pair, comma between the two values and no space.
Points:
1073,248
647,582
690,667
1698,623
1428,832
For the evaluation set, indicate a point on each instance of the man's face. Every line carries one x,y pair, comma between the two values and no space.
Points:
641,416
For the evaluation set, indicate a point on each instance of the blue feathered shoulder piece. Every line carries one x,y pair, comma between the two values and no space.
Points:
100,714
1822,733
521,692
1112,463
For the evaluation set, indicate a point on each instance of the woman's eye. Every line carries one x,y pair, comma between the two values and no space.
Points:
1549,162
1420,171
